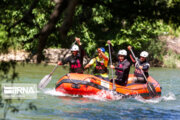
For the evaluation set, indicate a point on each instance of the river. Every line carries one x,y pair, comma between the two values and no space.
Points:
52,105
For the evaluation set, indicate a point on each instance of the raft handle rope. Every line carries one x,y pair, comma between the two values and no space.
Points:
68,75
70,78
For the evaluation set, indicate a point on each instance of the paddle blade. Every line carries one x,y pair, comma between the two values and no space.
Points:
151,89
43,83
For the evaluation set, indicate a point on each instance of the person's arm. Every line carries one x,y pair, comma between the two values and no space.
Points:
90,63
65,61
81,49
131,57
103,55
87,66
146,67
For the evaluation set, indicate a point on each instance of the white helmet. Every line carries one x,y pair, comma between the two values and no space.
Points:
122,52
75,48
144,54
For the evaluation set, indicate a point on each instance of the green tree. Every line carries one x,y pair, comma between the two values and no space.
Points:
35,25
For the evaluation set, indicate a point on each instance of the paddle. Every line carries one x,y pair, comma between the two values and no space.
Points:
150,86
114,87
44,82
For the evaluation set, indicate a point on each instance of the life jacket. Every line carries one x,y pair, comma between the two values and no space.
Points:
75,65
120,73
138,72
100,68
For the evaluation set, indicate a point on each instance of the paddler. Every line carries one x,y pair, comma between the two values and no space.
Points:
76,59
143,64
100,64
122,68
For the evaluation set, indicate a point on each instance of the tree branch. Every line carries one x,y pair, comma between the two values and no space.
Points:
48,28
68,18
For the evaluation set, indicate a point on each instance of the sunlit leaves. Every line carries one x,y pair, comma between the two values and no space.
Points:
4,43
88,38
101,14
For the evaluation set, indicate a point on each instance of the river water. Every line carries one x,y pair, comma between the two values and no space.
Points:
52,105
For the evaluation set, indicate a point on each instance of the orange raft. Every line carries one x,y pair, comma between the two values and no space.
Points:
85,84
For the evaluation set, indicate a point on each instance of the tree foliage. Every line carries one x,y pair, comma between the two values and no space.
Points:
35,25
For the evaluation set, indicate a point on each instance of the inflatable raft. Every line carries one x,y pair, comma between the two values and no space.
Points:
85,84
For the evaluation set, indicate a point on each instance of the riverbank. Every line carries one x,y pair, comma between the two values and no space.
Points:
172,46
52,55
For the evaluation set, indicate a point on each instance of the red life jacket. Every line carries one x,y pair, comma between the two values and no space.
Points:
75,66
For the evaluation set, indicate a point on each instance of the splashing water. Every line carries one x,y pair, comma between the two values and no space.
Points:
111,95
53,92
101,96
170,96
105,95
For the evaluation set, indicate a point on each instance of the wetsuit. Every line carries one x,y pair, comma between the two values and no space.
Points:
75,62
122,72
139,76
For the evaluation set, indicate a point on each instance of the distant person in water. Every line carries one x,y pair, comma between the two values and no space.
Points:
122,68
143,65
76,59
100,64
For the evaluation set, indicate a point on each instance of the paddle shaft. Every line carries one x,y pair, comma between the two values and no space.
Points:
72,44
44,82
54,69
114,87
